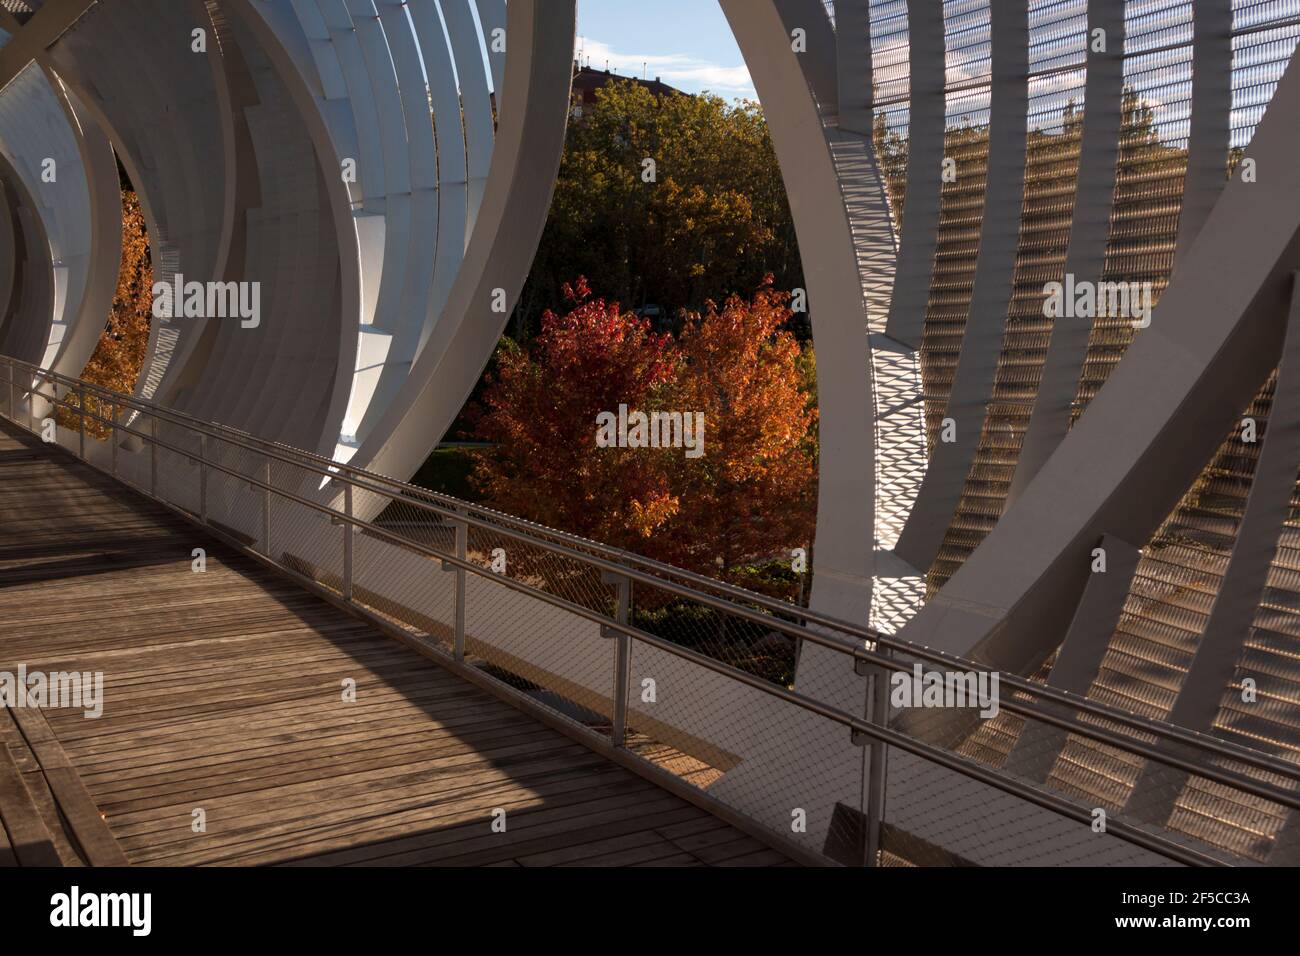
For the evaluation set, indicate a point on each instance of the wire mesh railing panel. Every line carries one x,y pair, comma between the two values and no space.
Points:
551,654
795,772
568,578
696,677
179,471
748,645
406,587
234,501
1107,784
937,816
303,538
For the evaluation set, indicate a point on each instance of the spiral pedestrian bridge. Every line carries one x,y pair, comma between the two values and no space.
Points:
1094,502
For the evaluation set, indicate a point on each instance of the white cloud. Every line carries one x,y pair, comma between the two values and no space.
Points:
685,72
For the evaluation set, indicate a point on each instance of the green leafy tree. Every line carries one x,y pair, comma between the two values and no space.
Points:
713,222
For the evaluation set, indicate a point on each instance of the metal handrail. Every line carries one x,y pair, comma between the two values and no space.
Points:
1167,733
358,478
1097,734
865,648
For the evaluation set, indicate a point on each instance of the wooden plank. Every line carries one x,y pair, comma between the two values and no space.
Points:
7,855
64,842
27,834
78,807
222,691
39,789
579,854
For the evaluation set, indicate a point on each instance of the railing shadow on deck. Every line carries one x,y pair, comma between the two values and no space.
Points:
469,760
575,654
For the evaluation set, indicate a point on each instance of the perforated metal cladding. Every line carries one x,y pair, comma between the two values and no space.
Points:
890,71
966,144
1056,95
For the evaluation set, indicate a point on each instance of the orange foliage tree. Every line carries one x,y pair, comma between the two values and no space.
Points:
747,498
540,408
752,493
119,354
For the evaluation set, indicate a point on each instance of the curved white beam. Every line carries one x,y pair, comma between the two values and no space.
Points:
796,107
972,387
178,167
24,327
925,134
104,193
1085,256
529,142
287,243
1210,120
1213,338
67,166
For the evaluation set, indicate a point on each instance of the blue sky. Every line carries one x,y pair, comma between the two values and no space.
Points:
686,43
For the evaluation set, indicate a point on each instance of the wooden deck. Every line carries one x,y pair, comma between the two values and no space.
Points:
223,703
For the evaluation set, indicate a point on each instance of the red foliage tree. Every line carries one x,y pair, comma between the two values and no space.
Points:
748,497
540,409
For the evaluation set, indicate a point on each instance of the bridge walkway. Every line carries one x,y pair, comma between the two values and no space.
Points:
246,722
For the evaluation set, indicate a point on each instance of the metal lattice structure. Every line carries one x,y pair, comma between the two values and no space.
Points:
1103,141
382,171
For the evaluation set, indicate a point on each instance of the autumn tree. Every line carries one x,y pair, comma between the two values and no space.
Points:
119,355
751,495
747,498
540,407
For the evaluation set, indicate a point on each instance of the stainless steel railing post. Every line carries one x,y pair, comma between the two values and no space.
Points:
112,438
81,421
347,542
203,477
878,714
266,507
462,547
622,654
153,456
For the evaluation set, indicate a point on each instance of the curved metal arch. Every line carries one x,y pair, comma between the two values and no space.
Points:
30,115
411,205
78,205
454,212
99,167
1214,337
1211,118
529,141
410,220
1232,616
178,168
9,239
799,103
1085,256
472,77
972,387
966,616
924,158
288,243
24,326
